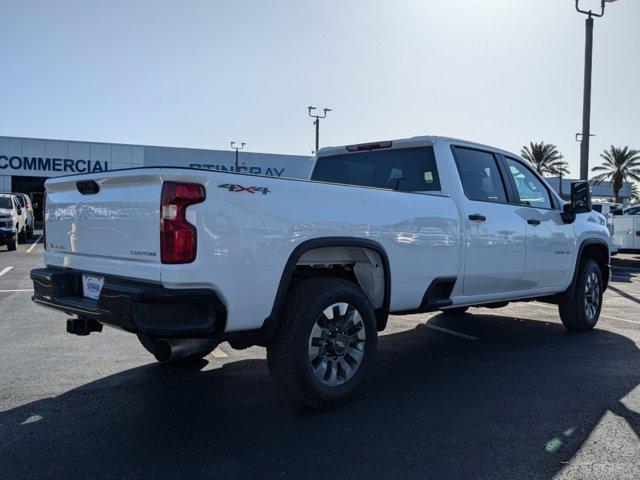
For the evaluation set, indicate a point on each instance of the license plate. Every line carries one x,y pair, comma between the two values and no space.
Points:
91,286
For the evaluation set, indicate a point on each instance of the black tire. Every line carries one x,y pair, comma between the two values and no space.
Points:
454,312
12,245
29,233
22,236
579,313
289,356
147,342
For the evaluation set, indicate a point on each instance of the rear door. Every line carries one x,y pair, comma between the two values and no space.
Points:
550,241
494,233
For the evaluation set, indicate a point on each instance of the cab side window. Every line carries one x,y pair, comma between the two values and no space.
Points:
480,176
529,189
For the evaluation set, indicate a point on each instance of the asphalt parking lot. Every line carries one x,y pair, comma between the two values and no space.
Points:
503,393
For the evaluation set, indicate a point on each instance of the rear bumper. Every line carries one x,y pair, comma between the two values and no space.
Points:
138,307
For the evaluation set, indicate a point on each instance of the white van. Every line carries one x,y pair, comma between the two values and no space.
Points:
609,210
627,229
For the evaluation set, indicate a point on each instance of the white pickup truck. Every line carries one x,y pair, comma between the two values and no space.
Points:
186,258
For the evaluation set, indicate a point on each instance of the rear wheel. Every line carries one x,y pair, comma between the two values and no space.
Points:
22,236
581,312
326,342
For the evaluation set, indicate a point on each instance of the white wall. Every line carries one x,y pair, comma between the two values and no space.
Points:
50,158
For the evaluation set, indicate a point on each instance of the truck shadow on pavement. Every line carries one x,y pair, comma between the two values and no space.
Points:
518,402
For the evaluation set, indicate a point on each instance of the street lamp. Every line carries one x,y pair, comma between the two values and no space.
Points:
586,102
236,148
316,122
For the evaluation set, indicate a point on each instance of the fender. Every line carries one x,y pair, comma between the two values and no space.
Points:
269,328
568,293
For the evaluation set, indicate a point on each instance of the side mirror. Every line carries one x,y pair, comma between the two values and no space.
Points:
581,197
580,202
19,211
568,213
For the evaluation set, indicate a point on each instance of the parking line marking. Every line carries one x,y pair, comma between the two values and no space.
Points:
620,319
33,245
218,353
601,315
615,267
5,270
20,290
451,332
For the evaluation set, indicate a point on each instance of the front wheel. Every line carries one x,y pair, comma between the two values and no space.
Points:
326,342
581,312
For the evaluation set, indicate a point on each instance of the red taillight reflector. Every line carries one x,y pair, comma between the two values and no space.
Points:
178,238
368,146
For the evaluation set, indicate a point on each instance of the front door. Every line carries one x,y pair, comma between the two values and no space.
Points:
550,242
494,233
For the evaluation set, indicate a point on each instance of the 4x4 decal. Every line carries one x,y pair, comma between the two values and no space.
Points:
234,187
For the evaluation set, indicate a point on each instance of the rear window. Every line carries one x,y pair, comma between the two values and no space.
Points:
5,202
407,169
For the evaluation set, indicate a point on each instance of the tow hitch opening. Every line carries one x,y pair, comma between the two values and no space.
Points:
83,326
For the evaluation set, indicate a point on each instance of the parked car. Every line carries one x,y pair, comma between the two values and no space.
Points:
627,229
609,211
11,221
311,269
27,209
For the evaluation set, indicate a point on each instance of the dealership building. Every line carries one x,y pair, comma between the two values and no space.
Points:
25,163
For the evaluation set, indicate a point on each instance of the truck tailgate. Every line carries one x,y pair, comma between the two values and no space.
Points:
115,229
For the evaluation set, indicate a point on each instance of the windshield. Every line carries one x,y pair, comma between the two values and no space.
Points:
5,202
404,169
632,211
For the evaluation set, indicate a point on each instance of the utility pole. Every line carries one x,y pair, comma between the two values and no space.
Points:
316,122
586,100
236,148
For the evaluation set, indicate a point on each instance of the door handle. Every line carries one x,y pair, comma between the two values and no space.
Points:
477,217
533,221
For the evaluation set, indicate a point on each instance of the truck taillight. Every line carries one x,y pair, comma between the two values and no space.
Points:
178,238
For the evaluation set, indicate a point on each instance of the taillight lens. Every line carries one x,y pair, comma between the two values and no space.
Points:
178,238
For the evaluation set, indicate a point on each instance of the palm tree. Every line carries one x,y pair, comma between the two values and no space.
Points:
545,158
620,165
635,194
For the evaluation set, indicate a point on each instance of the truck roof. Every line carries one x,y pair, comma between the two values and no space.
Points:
421,140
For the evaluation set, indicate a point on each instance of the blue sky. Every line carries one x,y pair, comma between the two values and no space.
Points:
202,73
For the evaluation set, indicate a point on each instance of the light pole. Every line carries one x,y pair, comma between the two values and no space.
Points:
236,148
586,101
316,122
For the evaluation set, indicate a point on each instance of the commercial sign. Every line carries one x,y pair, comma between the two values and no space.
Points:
268,171
48,164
